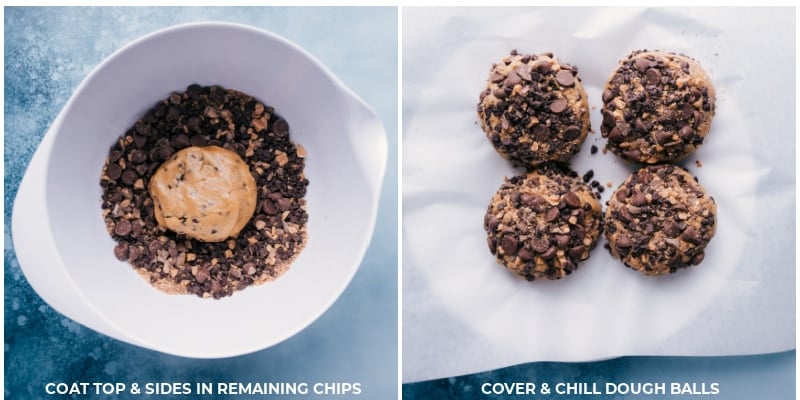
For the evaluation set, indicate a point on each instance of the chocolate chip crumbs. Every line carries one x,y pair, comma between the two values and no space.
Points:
544,224
206,116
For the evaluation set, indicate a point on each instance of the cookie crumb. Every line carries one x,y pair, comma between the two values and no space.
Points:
698,163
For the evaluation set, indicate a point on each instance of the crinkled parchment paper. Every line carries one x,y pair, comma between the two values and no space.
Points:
463,313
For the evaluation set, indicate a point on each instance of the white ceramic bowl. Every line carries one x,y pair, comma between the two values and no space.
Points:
60,237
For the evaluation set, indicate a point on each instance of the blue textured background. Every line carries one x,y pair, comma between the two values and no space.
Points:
48,51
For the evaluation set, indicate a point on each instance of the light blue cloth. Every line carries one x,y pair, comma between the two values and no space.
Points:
48,52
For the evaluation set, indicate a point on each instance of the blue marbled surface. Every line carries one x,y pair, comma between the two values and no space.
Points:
48,51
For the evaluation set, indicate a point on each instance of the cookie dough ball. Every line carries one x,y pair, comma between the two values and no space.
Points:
534,109
206,193
543,224
657,107
660,220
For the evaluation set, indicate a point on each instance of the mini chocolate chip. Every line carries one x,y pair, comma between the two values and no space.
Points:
539,245
653,77
122,227
562,241
686,133
525,254
588,176
697,259
541,133
572,200
558,106
509,245
623,242
671,229
121,251
202,274
577,253
551,215
565,78
129,177
641,64
197,140
608,95
572,132
593,149
113,171
691,235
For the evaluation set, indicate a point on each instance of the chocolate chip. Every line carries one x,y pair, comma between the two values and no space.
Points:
577,253
686,133
541,65
622,194
653,77
698,258
129,177
197,140
541,133
565,78
588,176
551,215
122,227
549,253
671,229
562,241
202,275
539,245
572,132
492,243
121,251
632,155
641,64
623,242
608,95
691,235
558,106
113,172
500,93
572,200
525,254
593,149
509,245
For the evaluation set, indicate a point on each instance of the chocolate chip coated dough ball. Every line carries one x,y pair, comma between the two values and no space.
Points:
206,193
544,224
660,220
534,109
657,107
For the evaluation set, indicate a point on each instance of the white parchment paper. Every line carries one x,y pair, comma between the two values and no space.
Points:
463,313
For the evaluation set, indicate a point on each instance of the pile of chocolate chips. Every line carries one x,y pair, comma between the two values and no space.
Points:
205,116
